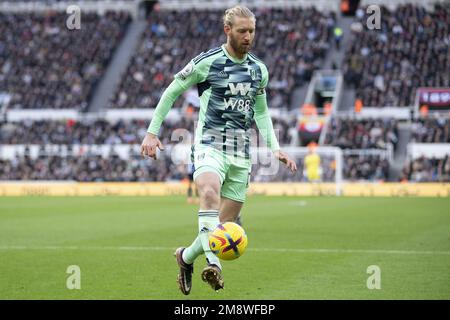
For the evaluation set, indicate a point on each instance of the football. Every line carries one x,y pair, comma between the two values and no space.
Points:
228,241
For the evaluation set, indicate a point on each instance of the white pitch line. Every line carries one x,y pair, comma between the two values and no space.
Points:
143,248
352,251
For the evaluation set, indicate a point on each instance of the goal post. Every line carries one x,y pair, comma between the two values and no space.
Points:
268,169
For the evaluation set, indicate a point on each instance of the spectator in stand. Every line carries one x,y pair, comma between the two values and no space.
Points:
338,35
410,50
293,43
366,167
425,169
45,65
104,132
362,134
431,130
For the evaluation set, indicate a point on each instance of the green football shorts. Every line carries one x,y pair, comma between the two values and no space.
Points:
234,172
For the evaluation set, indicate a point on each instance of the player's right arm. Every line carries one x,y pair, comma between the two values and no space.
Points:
182,81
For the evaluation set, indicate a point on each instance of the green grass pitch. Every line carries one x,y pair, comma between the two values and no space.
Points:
299,248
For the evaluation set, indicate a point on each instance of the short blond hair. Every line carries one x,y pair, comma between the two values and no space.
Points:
237,11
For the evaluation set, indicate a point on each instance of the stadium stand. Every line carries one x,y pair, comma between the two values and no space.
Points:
431,130
429,149
366,167
410,50
101,131
292,43
83,169
45,65
362,134
426,169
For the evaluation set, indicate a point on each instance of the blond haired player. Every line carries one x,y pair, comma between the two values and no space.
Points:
231,83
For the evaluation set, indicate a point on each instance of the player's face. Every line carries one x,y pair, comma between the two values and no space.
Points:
241,34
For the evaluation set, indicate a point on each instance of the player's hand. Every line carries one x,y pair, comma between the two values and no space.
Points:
283,157
149,145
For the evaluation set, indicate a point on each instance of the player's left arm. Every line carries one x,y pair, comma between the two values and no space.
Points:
182,81
265,125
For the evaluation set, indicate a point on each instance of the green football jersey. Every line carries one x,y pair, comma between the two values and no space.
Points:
227,88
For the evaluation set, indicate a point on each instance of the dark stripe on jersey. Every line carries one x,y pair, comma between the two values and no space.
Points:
202,87
203,53
255,57
206,55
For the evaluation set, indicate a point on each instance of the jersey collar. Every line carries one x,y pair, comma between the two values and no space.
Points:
235,60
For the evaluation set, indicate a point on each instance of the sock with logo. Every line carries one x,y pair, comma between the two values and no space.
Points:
207,222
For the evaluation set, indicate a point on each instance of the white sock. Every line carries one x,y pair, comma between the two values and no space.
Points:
207,222
193,251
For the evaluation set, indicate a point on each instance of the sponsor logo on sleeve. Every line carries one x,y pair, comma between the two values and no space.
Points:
187,71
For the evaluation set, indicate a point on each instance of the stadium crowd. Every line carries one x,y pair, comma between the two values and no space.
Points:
365,167
93,167
431,130
347,133
101,131
43,64
83,168
409,50
425,169
292,43
362,134
79,132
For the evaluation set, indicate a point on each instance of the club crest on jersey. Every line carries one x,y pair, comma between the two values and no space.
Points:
253,74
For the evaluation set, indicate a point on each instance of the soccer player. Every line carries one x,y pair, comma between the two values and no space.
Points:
231,83
312,164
